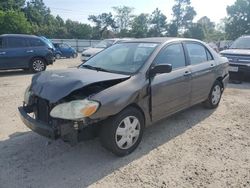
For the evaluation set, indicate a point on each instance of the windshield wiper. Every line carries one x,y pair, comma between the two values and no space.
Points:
95,68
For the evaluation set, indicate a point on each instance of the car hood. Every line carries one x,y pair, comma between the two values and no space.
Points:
92,51
55,85
236,52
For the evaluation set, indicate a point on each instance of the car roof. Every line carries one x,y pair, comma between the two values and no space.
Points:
19,35
162,40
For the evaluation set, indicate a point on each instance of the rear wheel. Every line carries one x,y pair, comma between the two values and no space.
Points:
122,133
214,96
37,65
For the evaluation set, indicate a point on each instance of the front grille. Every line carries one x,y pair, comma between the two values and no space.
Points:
238,58
42,110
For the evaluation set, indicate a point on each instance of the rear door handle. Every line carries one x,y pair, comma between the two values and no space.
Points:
187,73
30,51
2,53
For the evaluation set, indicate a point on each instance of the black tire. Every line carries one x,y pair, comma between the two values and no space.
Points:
213,102
108,133
58,56
37,65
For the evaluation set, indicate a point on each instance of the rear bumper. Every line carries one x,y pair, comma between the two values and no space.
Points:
36,126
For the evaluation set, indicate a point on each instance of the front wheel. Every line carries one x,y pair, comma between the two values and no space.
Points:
214,96
37,65
122,133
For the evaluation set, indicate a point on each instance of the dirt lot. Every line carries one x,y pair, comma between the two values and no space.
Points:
195,148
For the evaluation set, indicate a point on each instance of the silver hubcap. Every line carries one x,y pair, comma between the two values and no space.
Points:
216,95
38,65
127,132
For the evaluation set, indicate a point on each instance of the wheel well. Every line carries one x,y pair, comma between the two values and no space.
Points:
220,79
134,105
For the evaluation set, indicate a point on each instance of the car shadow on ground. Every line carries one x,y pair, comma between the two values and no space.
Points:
28,160
18,72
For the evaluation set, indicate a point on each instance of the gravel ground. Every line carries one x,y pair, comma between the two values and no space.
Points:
195,148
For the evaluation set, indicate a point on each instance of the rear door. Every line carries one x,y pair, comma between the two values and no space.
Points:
171,91
16,52
202,66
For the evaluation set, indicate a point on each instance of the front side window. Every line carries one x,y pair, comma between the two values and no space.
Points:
36,42
125,58
197,53
172,54
15,42
64,46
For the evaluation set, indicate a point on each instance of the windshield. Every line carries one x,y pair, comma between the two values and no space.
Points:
105,44
124,58
241,43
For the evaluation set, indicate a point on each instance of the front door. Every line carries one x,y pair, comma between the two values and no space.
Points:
171,92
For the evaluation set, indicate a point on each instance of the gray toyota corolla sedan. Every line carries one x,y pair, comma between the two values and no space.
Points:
123,89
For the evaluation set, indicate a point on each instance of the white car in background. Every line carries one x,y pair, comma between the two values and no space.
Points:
86,54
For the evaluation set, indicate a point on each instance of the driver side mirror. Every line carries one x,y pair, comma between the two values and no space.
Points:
160,69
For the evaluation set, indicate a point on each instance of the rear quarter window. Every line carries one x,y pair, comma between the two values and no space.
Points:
198,53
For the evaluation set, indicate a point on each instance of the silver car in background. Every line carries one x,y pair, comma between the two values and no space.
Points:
89,52
123,89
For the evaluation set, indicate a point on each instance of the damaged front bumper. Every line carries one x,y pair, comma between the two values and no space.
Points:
68,131
37,126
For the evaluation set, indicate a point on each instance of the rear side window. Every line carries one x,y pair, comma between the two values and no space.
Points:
198,53
36,42
172,54
16,42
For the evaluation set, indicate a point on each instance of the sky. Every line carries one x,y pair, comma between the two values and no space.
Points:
79,10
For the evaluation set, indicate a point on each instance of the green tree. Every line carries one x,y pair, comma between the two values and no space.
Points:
36,12
195,31
78,30
183,14
140,26
157,23
102,22
11,4
14,22
123,17
238,22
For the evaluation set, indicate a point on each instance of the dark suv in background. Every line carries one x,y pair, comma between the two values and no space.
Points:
26,52
238,55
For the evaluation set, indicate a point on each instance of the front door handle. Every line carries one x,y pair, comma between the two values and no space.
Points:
30,51
2,53
187,73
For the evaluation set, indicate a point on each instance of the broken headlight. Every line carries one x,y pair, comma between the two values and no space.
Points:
27,95
75,110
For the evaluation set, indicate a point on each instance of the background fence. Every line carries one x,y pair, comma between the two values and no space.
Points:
78,44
